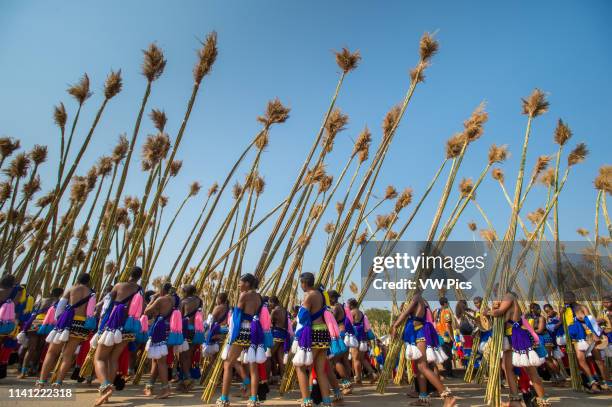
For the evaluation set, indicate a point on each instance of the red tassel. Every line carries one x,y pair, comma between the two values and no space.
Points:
83,350
263,374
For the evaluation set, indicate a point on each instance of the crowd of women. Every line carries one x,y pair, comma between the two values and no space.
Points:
330,345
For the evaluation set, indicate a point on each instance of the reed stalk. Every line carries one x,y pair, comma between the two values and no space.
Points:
534,106
112,88
169,228
207,57
348,63
153,67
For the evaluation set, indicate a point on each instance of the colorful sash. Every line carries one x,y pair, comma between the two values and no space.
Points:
8,312
198,325
40,314
576,330
303,335
556,332
175,335
61,331
425,332
118,318
211,346
256,352
362,330
524,342
167,330
157,344
48,322
350,340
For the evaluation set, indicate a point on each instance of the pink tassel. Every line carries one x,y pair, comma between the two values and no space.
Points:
135,309
7,311
198,322
144,324
176,321
527,325
366,323
429,315
289,326
91,306
264,318
332,325
348,314
49,316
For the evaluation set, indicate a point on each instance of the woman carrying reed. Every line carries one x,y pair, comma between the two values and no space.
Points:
422,346
519,349
121,321
249,319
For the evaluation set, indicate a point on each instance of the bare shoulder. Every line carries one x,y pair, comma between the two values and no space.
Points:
307,299
310,296
118,287
581,310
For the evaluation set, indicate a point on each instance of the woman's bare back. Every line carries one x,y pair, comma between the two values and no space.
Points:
249,302
76,294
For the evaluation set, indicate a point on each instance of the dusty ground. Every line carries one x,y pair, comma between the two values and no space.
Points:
468,395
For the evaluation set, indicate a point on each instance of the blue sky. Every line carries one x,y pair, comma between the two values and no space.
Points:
491,52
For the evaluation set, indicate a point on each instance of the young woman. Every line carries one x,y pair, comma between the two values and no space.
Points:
362,330
347,335
35,330
124,303
422,346
193,327
519,349
538,322
161,311
316,335
246,335
74,314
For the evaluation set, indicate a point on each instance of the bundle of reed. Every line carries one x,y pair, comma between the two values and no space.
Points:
603,183
87,368
575,157
483,369
275,113
206,58
315,176
112,87
533,106
455,149
205,367
428,47
141,363
468,377
332,127
390,125
288,378
247,227
403,366
153,67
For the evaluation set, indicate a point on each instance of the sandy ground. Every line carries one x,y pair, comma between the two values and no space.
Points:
468,395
